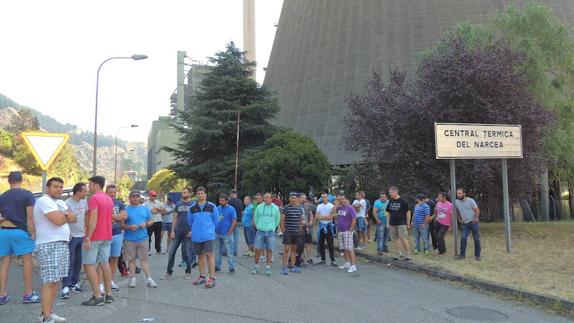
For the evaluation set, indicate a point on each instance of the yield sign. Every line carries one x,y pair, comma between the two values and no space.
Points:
45,146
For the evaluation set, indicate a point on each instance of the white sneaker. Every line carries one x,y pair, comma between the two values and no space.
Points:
346,266
114,286
53,318
352,269
132,283
150,283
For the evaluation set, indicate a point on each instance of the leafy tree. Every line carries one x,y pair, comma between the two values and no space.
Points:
124,186
165,181
206,150
549,68
287,162
364,177
6,143
457,84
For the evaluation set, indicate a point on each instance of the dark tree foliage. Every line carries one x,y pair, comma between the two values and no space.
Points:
455,84
206,149
287,162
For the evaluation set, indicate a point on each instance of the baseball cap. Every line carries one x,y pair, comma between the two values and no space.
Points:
294,194
152,193
134,193
15,176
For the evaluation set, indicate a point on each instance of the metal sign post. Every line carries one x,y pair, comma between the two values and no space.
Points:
479,141
506,205
454,216
44,180
45,147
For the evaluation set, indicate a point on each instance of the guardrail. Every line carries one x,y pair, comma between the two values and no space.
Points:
66,193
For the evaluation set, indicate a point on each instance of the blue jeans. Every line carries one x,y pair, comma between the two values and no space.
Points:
465,227
75,247
186,252
224,242
382,236
235,239
423,232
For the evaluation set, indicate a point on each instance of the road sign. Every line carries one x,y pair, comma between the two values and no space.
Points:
477,141
45,146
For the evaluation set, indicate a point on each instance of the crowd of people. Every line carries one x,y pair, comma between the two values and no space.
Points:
101,234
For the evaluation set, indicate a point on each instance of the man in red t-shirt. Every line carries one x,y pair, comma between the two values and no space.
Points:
96,247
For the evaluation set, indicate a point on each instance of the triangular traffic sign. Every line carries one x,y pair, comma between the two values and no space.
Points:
45,146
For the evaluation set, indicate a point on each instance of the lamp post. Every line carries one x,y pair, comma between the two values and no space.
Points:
237,149
135,57
116,152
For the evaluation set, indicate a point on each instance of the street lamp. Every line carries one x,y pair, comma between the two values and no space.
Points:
116,151
135,57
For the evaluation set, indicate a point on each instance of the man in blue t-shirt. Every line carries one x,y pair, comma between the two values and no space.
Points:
421,224
380,218
202,218
17,235
136,238
224,232
180,235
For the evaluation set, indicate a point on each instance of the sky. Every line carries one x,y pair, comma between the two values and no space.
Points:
51,51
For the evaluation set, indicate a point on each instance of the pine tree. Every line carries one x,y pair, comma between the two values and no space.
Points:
206,150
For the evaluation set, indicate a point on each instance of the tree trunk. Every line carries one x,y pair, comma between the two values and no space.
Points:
544,212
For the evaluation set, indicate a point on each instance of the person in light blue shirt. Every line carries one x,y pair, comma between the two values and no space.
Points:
203,218
421,221
139,218
224,232
380,217
248,229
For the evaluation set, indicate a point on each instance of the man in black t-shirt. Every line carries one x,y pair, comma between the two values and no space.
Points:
400,221
432,228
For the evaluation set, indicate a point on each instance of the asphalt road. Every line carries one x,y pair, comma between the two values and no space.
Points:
375,293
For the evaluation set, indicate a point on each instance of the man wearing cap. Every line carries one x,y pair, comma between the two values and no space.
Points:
292,226
17,235
422,218
156,208
135,238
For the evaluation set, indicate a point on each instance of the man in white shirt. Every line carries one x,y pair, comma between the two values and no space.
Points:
326,229
51,217
360,206
156,208
77,204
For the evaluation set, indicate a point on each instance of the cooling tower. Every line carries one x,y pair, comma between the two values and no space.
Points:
325,50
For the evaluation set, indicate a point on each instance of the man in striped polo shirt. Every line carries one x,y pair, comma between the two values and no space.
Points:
292,224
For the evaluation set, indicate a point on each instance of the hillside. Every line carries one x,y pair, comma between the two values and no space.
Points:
15,118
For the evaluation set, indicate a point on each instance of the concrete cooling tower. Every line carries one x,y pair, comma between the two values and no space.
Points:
325,50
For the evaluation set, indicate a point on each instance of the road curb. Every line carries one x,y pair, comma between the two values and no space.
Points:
476,283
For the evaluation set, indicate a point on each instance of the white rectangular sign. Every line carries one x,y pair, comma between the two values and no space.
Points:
477,141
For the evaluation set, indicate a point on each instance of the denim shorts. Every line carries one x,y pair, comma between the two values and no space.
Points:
116,246
166,226
15,242
361,224
265,240
249,233
98,253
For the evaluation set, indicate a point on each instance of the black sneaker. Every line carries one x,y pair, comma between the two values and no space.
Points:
138,270
194,265
232,270
109,299
460,257
477,258
217,269
322,262
94,301
334,263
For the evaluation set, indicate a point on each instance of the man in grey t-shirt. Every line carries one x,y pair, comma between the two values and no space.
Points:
468,213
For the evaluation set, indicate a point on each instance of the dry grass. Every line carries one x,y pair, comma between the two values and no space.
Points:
542,258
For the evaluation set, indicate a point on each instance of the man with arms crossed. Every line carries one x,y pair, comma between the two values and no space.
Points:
326,229
51,217
265,221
